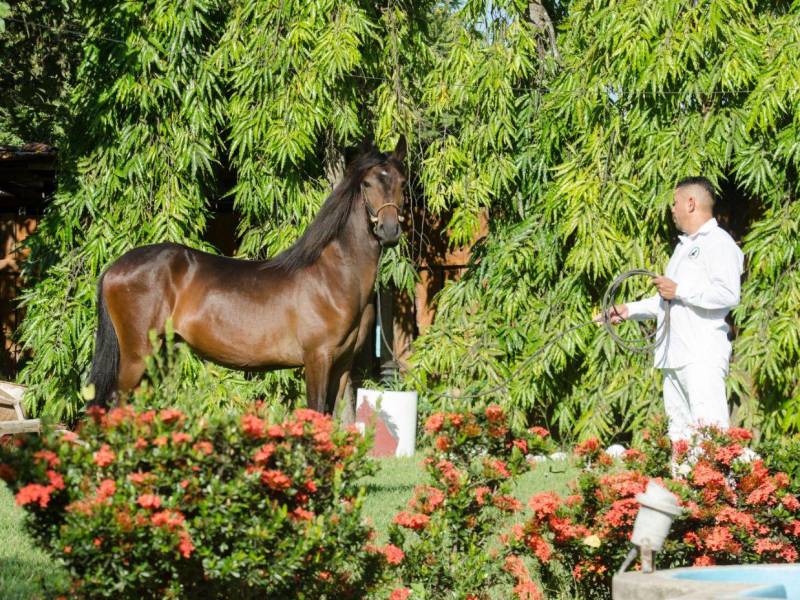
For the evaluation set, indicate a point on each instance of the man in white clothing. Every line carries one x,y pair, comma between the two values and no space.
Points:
701,286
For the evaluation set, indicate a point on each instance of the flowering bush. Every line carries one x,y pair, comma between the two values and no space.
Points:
155,504
736,511
447,539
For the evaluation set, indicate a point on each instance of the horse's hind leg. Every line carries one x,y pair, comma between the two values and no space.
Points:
133,322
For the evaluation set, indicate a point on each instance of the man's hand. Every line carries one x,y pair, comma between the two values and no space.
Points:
665,286
616,314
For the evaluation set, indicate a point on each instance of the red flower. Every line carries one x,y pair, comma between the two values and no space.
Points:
632,455
161,440
739,434
147,416
494,413
140,444
426,499
544,503
720,539
96,413
253,426
540,431
185,547
34,492
790,502
294,429
622,513
302,514
508,503
480,494
262,454
178,437
793,528
149,501
522,445
743,520
276,480
727,454
139,477
69,436
434,423
106,489
706,476
171,519
587,447
393,554
692,539
48,457
117,416
766,545
500,467
276,431
442,443
704,561
415,521
104,456
169,415
763,494
400,594
203,447
322,442
451,475
539,547
789,553
527,590
56,480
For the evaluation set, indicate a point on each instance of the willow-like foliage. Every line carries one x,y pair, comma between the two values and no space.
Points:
572,148
648,93
180,105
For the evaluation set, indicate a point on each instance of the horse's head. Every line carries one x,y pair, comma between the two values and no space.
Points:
382,190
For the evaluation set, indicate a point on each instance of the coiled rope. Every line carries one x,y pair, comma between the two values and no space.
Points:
644,344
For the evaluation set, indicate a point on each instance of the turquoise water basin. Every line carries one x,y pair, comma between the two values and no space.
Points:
780,581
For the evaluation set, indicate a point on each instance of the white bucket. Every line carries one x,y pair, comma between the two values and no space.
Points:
394,417
658,508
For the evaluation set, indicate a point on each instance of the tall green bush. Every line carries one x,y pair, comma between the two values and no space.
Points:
572,149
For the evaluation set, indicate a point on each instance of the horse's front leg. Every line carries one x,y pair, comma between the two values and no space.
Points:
318,372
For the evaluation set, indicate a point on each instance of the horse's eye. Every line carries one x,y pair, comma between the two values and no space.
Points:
366,184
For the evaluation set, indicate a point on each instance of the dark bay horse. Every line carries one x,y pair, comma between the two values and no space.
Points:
309,306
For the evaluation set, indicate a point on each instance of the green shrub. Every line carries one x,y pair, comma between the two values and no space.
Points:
447,543
735,511
158,505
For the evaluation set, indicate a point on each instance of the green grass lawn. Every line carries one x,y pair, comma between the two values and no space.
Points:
389,491
25,570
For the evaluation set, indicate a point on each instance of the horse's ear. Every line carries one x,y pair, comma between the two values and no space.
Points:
399,153
353,152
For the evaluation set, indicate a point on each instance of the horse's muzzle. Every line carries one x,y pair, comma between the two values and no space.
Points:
388,236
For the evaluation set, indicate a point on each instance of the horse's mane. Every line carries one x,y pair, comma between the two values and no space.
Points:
332,217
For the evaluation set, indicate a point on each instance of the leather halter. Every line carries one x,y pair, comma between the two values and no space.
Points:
373,214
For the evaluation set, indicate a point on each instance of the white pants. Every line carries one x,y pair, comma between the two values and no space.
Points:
694,396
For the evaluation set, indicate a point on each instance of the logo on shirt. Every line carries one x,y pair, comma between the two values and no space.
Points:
694,252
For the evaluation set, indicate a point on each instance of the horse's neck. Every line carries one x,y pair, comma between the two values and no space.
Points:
358,251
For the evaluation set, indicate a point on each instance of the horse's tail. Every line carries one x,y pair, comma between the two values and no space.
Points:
105,365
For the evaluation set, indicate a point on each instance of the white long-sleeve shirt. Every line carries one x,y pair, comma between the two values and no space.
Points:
707,266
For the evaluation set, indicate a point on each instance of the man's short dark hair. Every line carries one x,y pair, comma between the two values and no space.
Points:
699,181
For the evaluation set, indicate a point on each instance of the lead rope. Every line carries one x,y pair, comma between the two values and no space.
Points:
643,344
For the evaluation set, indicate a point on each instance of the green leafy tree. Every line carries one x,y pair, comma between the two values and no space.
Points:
646,93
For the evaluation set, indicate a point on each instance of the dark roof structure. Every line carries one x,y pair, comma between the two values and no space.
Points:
27,176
